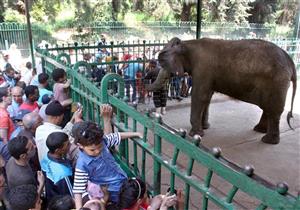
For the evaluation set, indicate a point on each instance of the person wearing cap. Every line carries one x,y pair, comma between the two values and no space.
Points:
55,114
17,100
18,123
6,124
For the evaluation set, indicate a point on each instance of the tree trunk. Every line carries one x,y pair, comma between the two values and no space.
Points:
115,9
2,10
138,5
186,12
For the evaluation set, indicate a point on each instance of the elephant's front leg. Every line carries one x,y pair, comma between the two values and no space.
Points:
205,123
272,136
199,113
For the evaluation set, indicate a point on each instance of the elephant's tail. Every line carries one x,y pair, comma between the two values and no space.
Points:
294,81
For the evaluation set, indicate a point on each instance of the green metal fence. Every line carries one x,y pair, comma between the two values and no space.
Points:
15,33
120,31
149,159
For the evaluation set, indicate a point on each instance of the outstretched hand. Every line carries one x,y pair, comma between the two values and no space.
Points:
168,201
106,111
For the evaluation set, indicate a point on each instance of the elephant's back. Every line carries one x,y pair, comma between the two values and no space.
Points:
247,57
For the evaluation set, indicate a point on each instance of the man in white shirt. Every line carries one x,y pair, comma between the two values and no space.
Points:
55,114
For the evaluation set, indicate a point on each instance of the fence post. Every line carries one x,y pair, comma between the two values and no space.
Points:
157,165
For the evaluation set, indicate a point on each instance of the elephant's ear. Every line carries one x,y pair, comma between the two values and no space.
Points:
171,57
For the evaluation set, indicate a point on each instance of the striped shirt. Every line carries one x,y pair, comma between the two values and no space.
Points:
101,170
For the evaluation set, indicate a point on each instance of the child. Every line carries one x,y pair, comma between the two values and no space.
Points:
95,162
133,196
61,93
56,168
43,81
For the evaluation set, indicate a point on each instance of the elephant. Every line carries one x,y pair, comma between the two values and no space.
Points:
253,71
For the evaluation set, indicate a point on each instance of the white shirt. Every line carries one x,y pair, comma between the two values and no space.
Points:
41,134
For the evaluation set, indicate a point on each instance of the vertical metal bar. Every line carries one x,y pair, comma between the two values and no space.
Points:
231,194
199,19
135,161
157,165
172,179
29,32
126,140
297,23
206,184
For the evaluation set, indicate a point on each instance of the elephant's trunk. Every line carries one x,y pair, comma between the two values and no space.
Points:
160,81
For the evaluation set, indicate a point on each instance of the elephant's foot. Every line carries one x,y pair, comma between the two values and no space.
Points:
260,128
193,133
270,139
205,125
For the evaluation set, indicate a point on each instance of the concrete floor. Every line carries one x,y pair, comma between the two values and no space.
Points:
232,122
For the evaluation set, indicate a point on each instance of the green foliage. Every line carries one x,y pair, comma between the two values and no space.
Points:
226,10
11,15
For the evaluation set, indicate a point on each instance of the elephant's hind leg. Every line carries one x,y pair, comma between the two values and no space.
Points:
272,136
262,126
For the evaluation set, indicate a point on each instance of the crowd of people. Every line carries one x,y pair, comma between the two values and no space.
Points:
136,75
50,158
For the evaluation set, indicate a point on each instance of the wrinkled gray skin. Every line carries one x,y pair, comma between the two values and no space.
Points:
254,71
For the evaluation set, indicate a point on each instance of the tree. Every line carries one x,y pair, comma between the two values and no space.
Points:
226,10
262,11
2,9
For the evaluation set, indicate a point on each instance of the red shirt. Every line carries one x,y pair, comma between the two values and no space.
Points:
29,107
6,122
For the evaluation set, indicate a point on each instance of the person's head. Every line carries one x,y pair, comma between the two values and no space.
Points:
31,121
17,94
43,79
21,84
152,63
55,112
10,72
59,75
61,202
19,117
88,137
28,65
21,147
32,93
132,193
5,56
58,143
46,98
93,204
5,96
23,197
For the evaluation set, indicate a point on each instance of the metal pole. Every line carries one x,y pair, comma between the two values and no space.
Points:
297,24
199,19
29,32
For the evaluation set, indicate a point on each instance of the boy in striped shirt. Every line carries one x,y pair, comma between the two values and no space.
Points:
95,162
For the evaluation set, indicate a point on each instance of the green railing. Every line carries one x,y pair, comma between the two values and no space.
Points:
15,33
165,156
119,31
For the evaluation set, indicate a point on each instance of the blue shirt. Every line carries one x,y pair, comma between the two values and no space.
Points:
102,170
132,69
58,176
13,109
42,92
